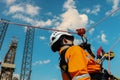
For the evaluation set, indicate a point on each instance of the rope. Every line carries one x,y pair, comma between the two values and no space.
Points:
103,19
38,27
116,42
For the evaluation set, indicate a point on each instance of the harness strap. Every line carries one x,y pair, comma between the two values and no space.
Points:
63,65
81,76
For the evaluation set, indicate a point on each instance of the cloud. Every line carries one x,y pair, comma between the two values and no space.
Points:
41,23
69,4
8,2
95,10
27,9
41,62
26,13
91,30
115,6
42,37
71,19
23,18
15,9
102,38
46,61
32,10
37,23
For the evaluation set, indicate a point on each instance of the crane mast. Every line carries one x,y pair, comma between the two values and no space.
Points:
3,29
27,55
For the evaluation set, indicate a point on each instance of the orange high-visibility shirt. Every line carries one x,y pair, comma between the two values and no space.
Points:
80,62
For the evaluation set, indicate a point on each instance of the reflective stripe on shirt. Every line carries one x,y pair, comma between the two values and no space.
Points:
89,56
81,76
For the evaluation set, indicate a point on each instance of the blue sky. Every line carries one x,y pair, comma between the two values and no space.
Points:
65,15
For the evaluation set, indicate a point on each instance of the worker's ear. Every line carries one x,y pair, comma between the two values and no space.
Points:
64,40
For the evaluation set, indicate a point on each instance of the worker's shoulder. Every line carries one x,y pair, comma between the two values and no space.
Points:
75,47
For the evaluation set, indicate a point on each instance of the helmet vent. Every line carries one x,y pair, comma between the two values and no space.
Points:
53,38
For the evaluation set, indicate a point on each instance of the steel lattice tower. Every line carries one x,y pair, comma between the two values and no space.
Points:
8,66
27,55
3,29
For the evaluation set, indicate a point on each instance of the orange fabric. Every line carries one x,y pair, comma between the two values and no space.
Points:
79,62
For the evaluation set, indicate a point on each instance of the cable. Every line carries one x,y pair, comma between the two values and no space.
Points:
25,25
116,42
103,19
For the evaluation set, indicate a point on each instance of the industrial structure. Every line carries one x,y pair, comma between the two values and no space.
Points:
27,55
8,66
3,29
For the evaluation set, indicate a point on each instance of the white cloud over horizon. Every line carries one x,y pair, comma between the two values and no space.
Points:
71,19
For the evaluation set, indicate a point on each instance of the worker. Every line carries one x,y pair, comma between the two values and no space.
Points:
75,62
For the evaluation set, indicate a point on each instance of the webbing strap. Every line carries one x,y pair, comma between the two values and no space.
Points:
81,76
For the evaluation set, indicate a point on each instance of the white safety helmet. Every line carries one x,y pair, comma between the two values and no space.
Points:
55,36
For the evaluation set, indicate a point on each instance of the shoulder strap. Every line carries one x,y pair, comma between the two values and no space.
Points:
87,47
63,65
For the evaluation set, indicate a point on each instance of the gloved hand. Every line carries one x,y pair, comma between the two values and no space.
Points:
98,61
81,31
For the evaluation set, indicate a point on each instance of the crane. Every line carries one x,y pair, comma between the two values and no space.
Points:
27,55
3,29
8,66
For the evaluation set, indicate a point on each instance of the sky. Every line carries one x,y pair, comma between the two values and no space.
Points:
67,15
